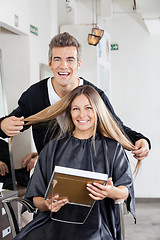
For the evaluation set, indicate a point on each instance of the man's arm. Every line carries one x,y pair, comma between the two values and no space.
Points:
33,100
139,140
12,126
142,149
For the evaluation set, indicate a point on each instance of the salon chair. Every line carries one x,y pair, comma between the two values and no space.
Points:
13,221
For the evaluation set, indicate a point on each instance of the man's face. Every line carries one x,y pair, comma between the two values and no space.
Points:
64,65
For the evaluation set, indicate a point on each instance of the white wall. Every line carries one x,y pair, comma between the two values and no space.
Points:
135,90
22,54
15,79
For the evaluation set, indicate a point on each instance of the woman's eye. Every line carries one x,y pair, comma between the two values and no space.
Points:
89,107
74,108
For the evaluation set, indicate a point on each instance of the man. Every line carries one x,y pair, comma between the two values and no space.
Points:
64,60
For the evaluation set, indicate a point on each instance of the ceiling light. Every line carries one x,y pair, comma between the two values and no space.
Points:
97,34
93,39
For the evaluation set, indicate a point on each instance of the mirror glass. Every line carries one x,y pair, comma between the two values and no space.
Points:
7,176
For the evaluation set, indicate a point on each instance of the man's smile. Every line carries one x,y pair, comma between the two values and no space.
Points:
64,73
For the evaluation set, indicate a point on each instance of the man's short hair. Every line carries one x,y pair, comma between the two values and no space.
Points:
64,40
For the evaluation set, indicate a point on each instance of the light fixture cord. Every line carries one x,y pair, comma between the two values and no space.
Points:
96,13
93,13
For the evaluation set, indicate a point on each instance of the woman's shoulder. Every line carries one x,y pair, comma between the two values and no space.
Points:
54,142
109,141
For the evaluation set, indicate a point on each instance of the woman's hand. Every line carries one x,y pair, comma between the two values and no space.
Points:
99,191
53,204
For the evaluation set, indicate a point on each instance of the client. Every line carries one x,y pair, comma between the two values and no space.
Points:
89,140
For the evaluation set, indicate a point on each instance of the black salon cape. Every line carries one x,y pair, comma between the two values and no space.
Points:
75,153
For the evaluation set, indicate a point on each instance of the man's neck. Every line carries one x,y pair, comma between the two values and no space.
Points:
64,90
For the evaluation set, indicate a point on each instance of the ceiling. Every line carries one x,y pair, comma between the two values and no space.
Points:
149,10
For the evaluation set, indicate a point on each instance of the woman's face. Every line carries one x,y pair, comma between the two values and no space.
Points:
83,117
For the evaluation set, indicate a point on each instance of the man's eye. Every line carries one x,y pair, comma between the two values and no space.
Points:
70,60
57,60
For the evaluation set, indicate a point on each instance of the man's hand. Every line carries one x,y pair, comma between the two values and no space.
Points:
30,160
3,168
11,126
142,149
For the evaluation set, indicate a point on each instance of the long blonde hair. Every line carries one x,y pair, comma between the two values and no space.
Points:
105,123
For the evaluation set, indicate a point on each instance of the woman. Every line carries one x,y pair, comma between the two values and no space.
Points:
89,140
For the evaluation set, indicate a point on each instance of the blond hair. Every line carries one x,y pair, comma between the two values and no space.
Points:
105,123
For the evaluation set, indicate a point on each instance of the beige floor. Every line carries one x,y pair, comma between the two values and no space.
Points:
148,222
